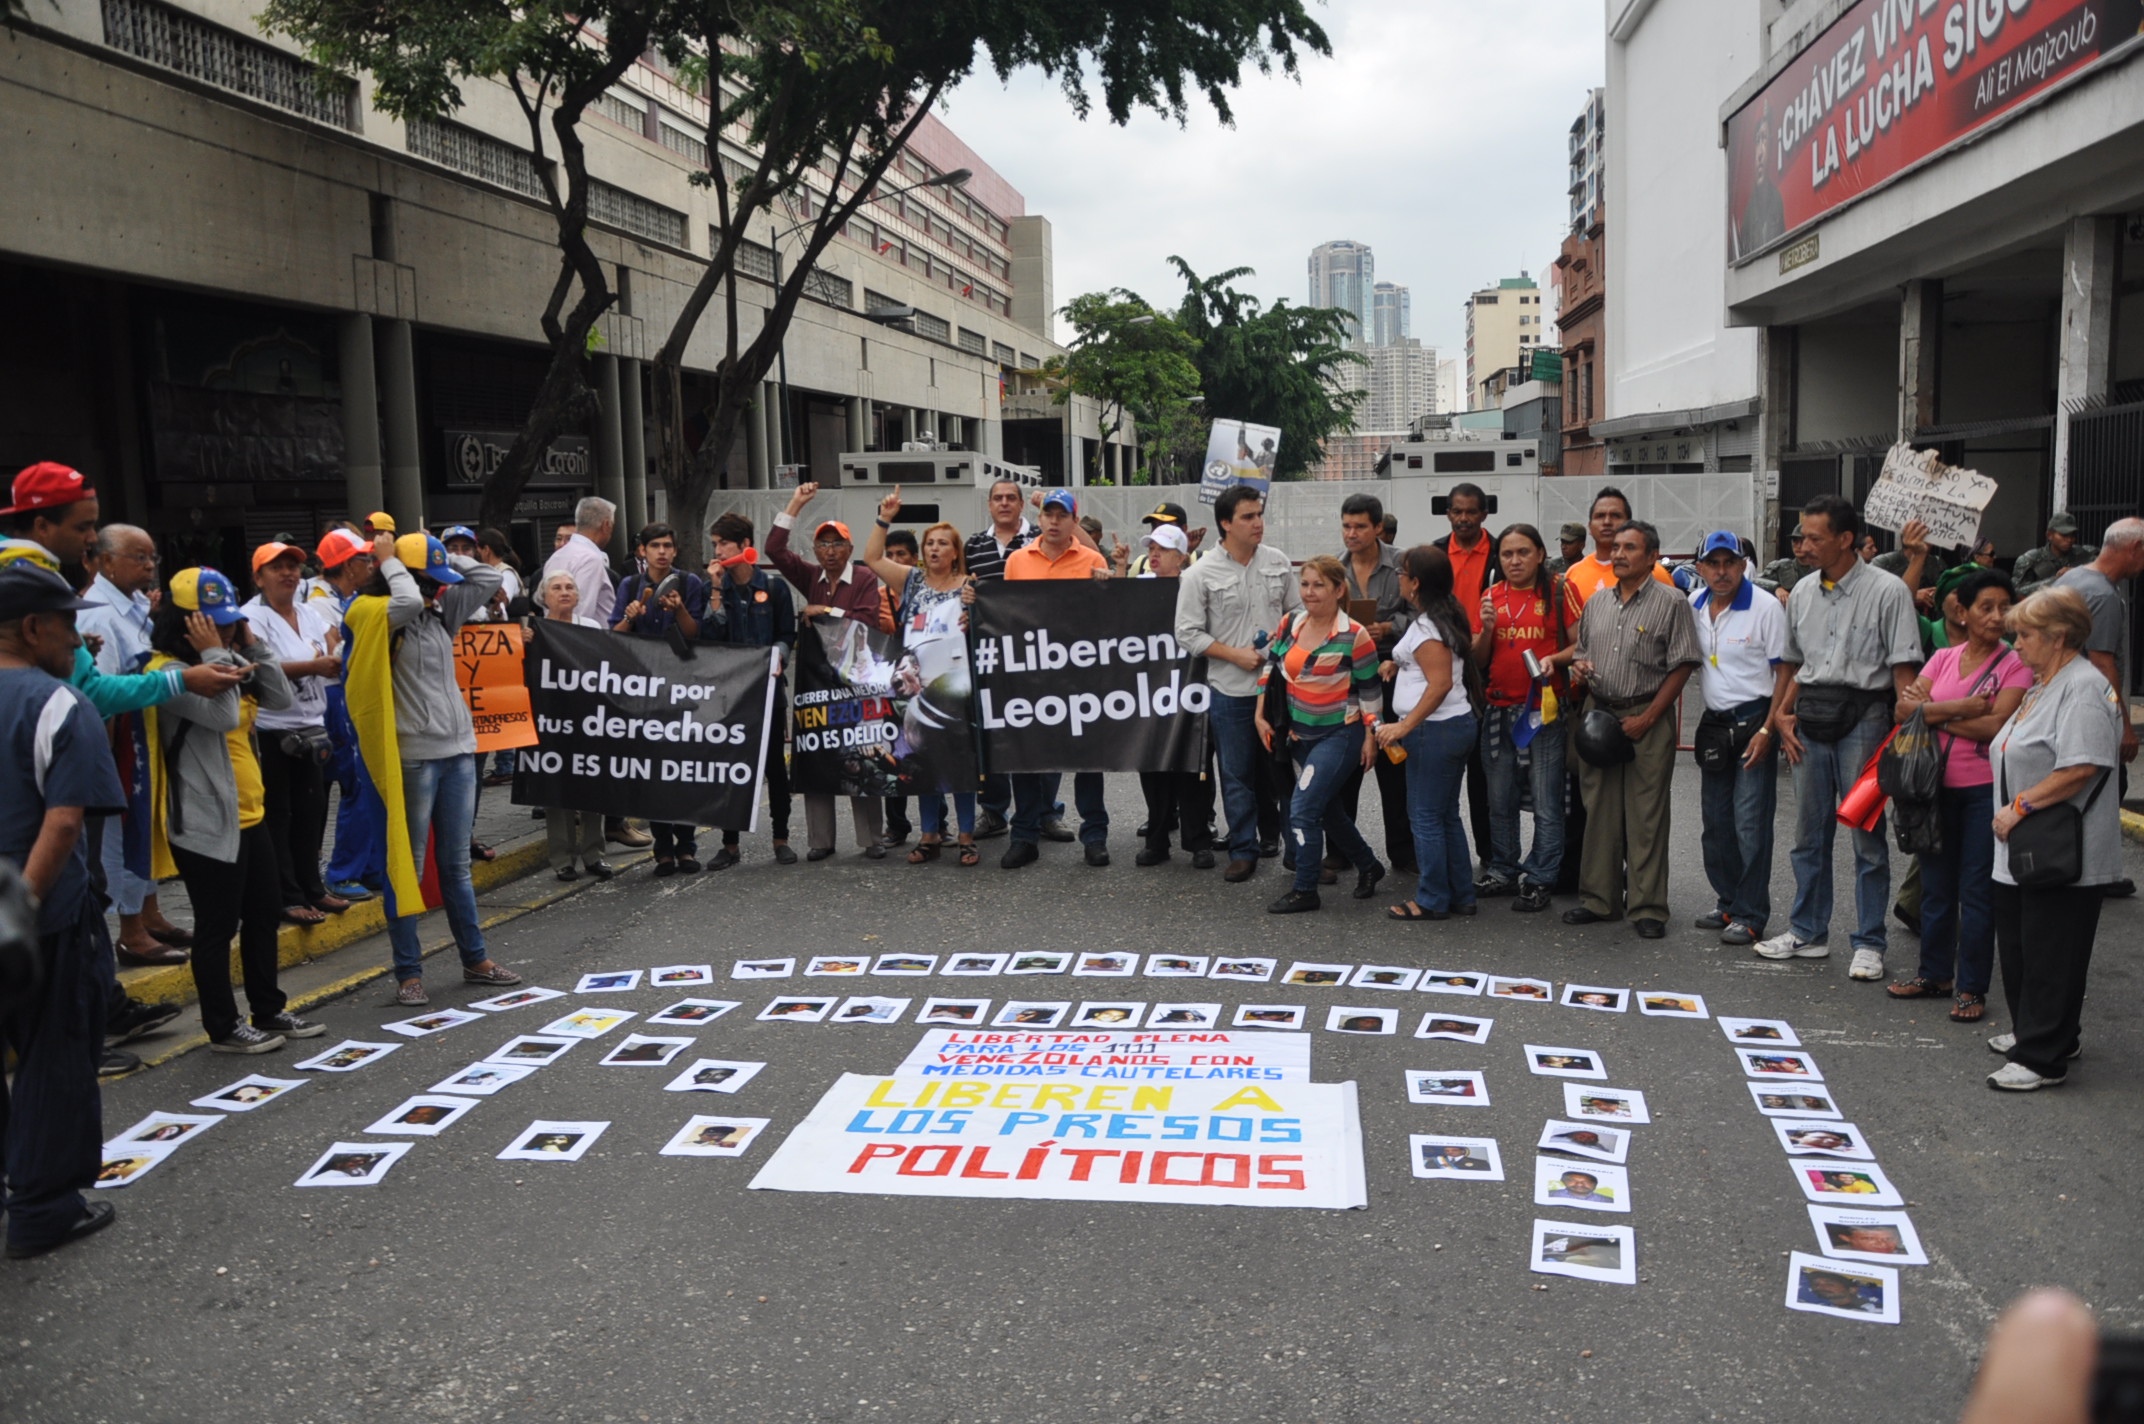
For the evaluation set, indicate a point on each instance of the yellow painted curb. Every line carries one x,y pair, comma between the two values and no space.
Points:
2133,825
300,944
337,988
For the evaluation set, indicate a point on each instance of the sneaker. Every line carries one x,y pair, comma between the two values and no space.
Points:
1055,829
1295,902
411,995
2004,1042
1490,887
496,974
136,1019
1532,899
116,1061
1736,933
1713,921
352,890
246,1039
2017,1078
989,824
1786,946
291,1026
1868,964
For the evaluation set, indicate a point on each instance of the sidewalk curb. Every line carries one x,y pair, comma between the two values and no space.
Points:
348,983
301,944
2133,825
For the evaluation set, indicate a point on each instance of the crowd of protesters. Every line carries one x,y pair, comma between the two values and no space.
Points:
161,728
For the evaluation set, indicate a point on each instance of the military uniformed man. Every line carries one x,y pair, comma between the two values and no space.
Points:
2057,556
1572,538
1785,573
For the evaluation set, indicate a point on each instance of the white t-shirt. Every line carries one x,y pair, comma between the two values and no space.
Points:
309,640
1409,685
1741,647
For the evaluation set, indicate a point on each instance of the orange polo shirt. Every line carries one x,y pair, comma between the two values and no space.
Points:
1590,575
1077,562
1470,574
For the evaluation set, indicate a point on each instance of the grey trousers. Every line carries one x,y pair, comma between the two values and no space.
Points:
1627,825
869,813
571,835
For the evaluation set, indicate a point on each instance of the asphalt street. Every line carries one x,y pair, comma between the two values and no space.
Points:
632,1286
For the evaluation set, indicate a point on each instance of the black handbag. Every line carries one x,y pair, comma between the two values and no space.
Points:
2047,847
301,743
1827,714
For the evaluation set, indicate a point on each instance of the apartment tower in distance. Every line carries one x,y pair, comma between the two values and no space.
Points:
1504,325
1390,309
1342,275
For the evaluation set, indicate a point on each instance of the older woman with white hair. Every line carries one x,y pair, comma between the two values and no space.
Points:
2058,837
573,838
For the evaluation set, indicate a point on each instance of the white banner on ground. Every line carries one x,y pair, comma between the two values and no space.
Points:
1247,1056
1228,1144
1914,484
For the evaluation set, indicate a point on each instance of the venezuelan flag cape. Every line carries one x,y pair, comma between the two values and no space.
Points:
369,692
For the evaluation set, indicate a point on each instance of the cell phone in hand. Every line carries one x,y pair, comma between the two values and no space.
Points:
2118,1383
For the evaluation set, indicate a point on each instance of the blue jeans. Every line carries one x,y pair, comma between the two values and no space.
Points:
440,797
502,762
1437,754
1233,722
1544,774
359,818
1827,772
1957,903
1324,763
931,811
996,796
1032,797
1736,807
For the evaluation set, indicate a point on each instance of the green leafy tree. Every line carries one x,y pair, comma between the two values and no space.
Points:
556,60
812,99
1279,365
1130,359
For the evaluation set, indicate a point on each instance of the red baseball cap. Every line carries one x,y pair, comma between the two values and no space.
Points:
48,485
338,545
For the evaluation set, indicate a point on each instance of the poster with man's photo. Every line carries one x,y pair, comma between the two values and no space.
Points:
1238,453
880,715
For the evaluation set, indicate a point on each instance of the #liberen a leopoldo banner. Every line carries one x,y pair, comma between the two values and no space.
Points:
1085,676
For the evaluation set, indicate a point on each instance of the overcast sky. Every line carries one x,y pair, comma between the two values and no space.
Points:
1436,133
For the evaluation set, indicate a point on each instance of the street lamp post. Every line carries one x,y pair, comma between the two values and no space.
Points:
781,351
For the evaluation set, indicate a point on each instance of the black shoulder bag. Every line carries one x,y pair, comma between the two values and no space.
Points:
2047,847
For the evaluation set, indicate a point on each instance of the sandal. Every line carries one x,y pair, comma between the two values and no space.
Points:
1970,1008
303,915
1918,987
970,854
1413,911
479,851
926,852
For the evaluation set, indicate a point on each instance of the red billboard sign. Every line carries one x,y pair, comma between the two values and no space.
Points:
1889,84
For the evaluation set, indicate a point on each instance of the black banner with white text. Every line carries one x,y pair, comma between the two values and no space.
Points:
1085,676
627,727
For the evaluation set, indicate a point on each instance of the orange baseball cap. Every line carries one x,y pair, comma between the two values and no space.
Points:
268,553
337,547
838,527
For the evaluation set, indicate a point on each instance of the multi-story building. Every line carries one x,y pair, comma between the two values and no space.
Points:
1343,274
1402,385
1921,223
1504,325
265,304
1450,397
1391,310
1586,147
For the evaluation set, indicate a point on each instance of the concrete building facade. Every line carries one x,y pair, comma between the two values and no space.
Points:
266,304
1504,323
1392,310
1897,222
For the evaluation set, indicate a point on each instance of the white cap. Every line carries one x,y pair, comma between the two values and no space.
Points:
1167,536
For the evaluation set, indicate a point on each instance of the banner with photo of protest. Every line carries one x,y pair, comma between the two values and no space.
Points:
627,727
1085,676
879,715
1238,453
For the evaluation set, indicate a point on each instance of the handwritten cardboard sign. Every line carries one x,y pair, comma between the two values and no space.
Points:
487,666
1914,484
